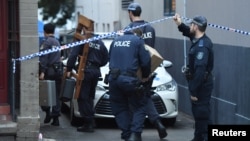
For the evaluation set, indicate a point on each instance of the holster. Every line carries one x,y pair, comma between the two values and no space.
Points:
55,70
106,79
58,67
148,84
206,76
115,73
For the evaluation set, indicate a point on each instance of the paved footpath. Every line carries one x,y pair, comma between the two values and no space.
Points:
181,131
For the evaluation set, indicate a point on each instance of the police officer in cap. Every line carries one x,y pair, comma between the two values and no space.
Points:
50,68
96,58
127,55
148,34
199,73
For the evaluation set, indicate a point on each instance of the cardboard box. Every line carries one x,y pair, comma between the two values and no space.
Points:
156,59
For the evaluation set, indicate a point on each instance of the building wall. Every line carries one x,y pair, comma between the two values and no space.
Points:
28,119
229,13
104,13
230,97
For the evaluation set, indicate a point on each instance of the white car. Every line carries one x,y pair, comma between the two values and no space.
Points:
164,94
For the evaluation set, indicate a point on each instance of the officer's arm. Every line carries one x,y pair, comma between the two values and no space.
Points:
72,58
44,60
105,55
185,30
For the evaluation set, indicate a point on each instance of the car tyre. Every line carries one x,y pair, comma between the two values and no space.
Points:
169,121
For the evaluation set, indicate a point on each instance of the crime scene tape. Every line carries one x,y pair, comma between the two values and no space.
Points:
74,44
223,27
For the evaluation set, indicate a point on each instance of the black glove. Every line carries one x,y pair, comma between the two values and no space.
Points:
187,73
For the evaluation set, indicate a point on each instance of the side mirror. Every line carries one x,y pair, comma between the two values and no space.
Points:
167,64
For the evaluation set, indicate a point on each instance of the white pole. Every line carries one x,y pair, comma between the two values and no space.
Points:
184,39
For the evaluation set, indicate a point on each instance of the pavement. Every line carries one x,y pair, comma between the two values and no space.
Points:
107,130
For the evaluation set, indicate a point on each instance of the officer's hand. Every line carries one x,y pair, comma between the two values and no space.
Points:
144,80
41,76
68,75
193,98
177,19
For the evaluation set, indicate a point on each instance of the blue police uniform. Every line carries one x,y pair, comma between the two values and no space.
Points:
148,32
127,55
51,65
97,57
200,83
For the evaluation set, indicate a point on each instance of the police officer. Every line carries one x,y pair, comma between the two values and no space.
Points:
198,74
148,34
127,55
50,68
134,11
97,57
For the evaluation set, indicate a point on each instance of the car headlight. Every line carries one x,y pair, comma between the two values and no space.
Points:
170,86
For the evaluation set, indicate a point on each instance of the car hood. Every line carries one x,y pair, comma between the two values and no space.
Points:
162,76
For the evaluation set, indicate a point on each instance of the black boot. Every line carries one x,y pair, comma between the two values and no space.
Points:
47,117
161,129
88,125
55,121
134,137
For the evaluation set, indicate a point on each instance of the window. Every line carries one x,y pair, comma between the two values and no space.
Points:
169,7
125,4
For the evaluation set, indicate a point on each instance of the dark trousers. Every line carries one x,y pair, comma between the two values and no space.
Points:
202,119
152,113
201,111
128,108
87,95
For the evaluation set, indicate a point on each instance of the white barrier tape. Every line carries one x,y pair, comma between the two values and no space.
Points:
224,28
70,45
74,44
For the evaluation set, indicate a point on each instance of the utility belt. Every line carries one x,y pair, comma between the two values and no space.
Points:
55,69
116,72
128,74
90,65
189,76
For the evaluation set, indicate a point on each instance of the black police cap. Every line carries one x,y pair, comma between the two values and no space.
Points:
200,21
134,7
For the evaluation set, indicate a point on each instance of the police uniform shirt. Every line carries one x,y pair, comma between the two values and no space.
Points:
148,32
200,58
97,54
128,53
47,60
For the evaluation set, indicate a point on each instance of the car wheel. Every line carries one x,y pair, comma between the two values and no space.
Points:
74,121
171,121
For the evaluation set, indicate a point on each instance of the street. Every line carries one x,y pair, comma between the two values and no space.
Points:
107,130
